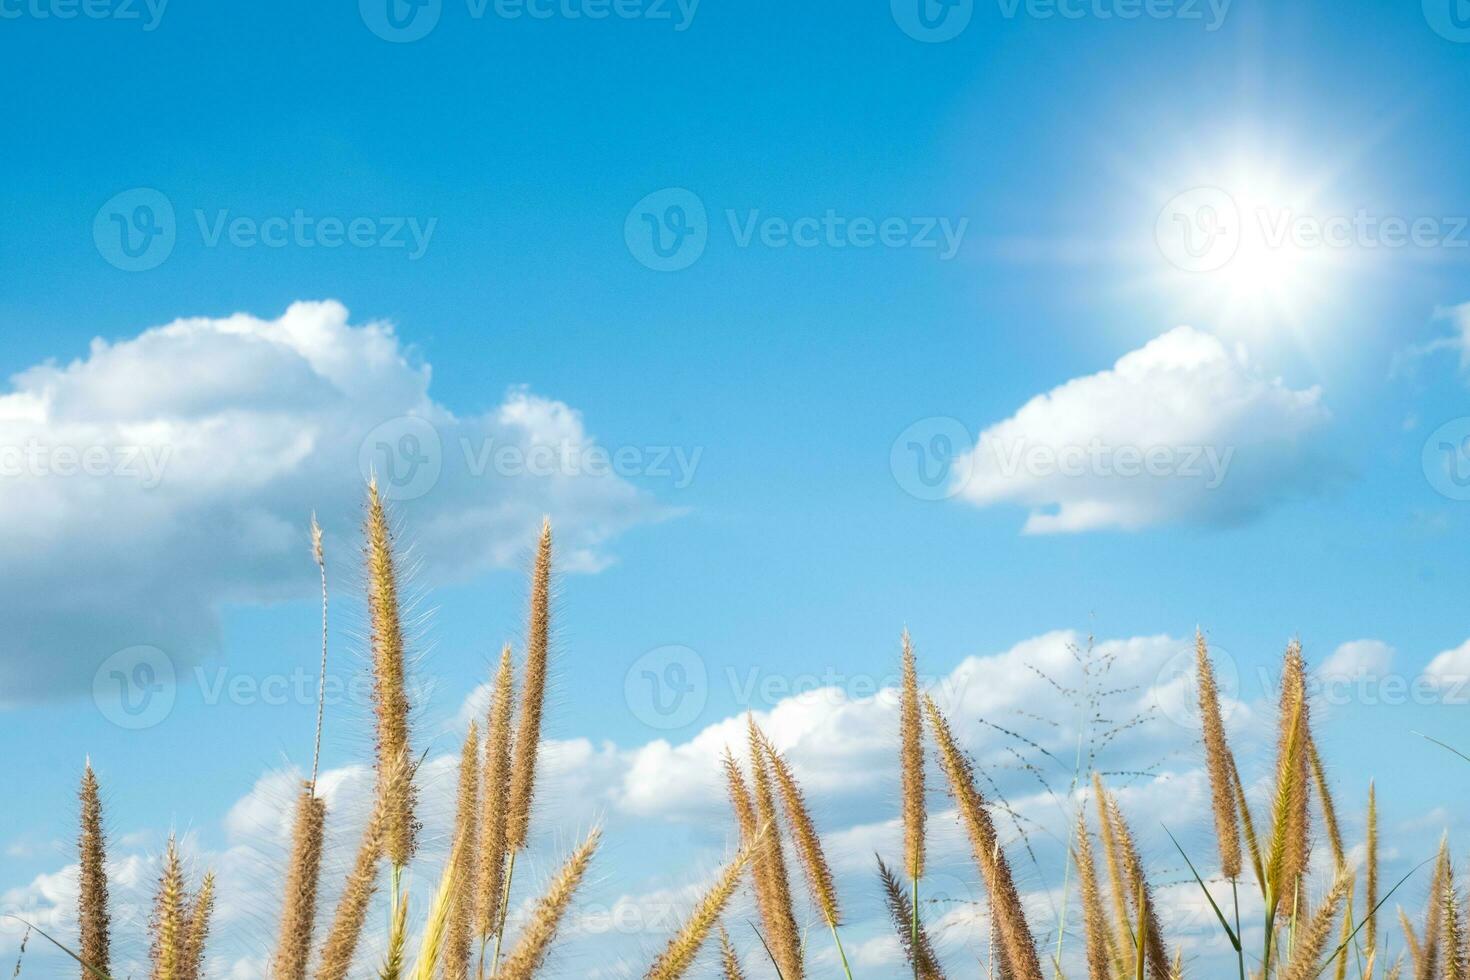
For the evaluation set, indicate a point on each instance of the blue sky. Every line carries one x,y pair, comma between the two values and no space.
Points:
523,151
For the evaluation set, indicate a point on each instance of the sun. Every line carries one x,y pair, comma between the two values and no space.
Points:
1253,248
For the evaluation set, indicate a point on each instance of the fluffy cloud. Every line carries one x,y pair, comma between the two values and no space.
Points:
159,478
1182,430
842,747
1451,668
1356,660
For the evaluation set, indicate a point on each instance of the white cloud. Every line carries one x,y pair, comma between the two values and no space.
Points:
1181,430
668,826
161,477
1451,668
1357,660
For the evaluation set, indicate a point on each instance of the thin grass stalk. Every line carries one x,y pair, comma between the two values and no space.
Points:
533,697
729,958
167,953
461,903
535,942
390,694
677,957
303,873
1217,762
1411,940
1144,909
1329,810
1371,874
196,930
345,932
809,850
1432,949
1288,773
1016,938
490,876
1094,919
318,553
781,929
1248,826
434,945
1307,949
1297,830
1124,938
911,769
92,915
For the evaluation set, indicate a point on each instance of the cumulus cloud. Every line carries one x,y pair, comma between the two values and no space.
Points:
668,826
160,478
1357,660
1451,668
1182,430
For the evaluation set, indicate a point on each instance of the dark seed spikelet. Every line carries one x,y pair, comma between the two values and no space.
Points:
916,944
